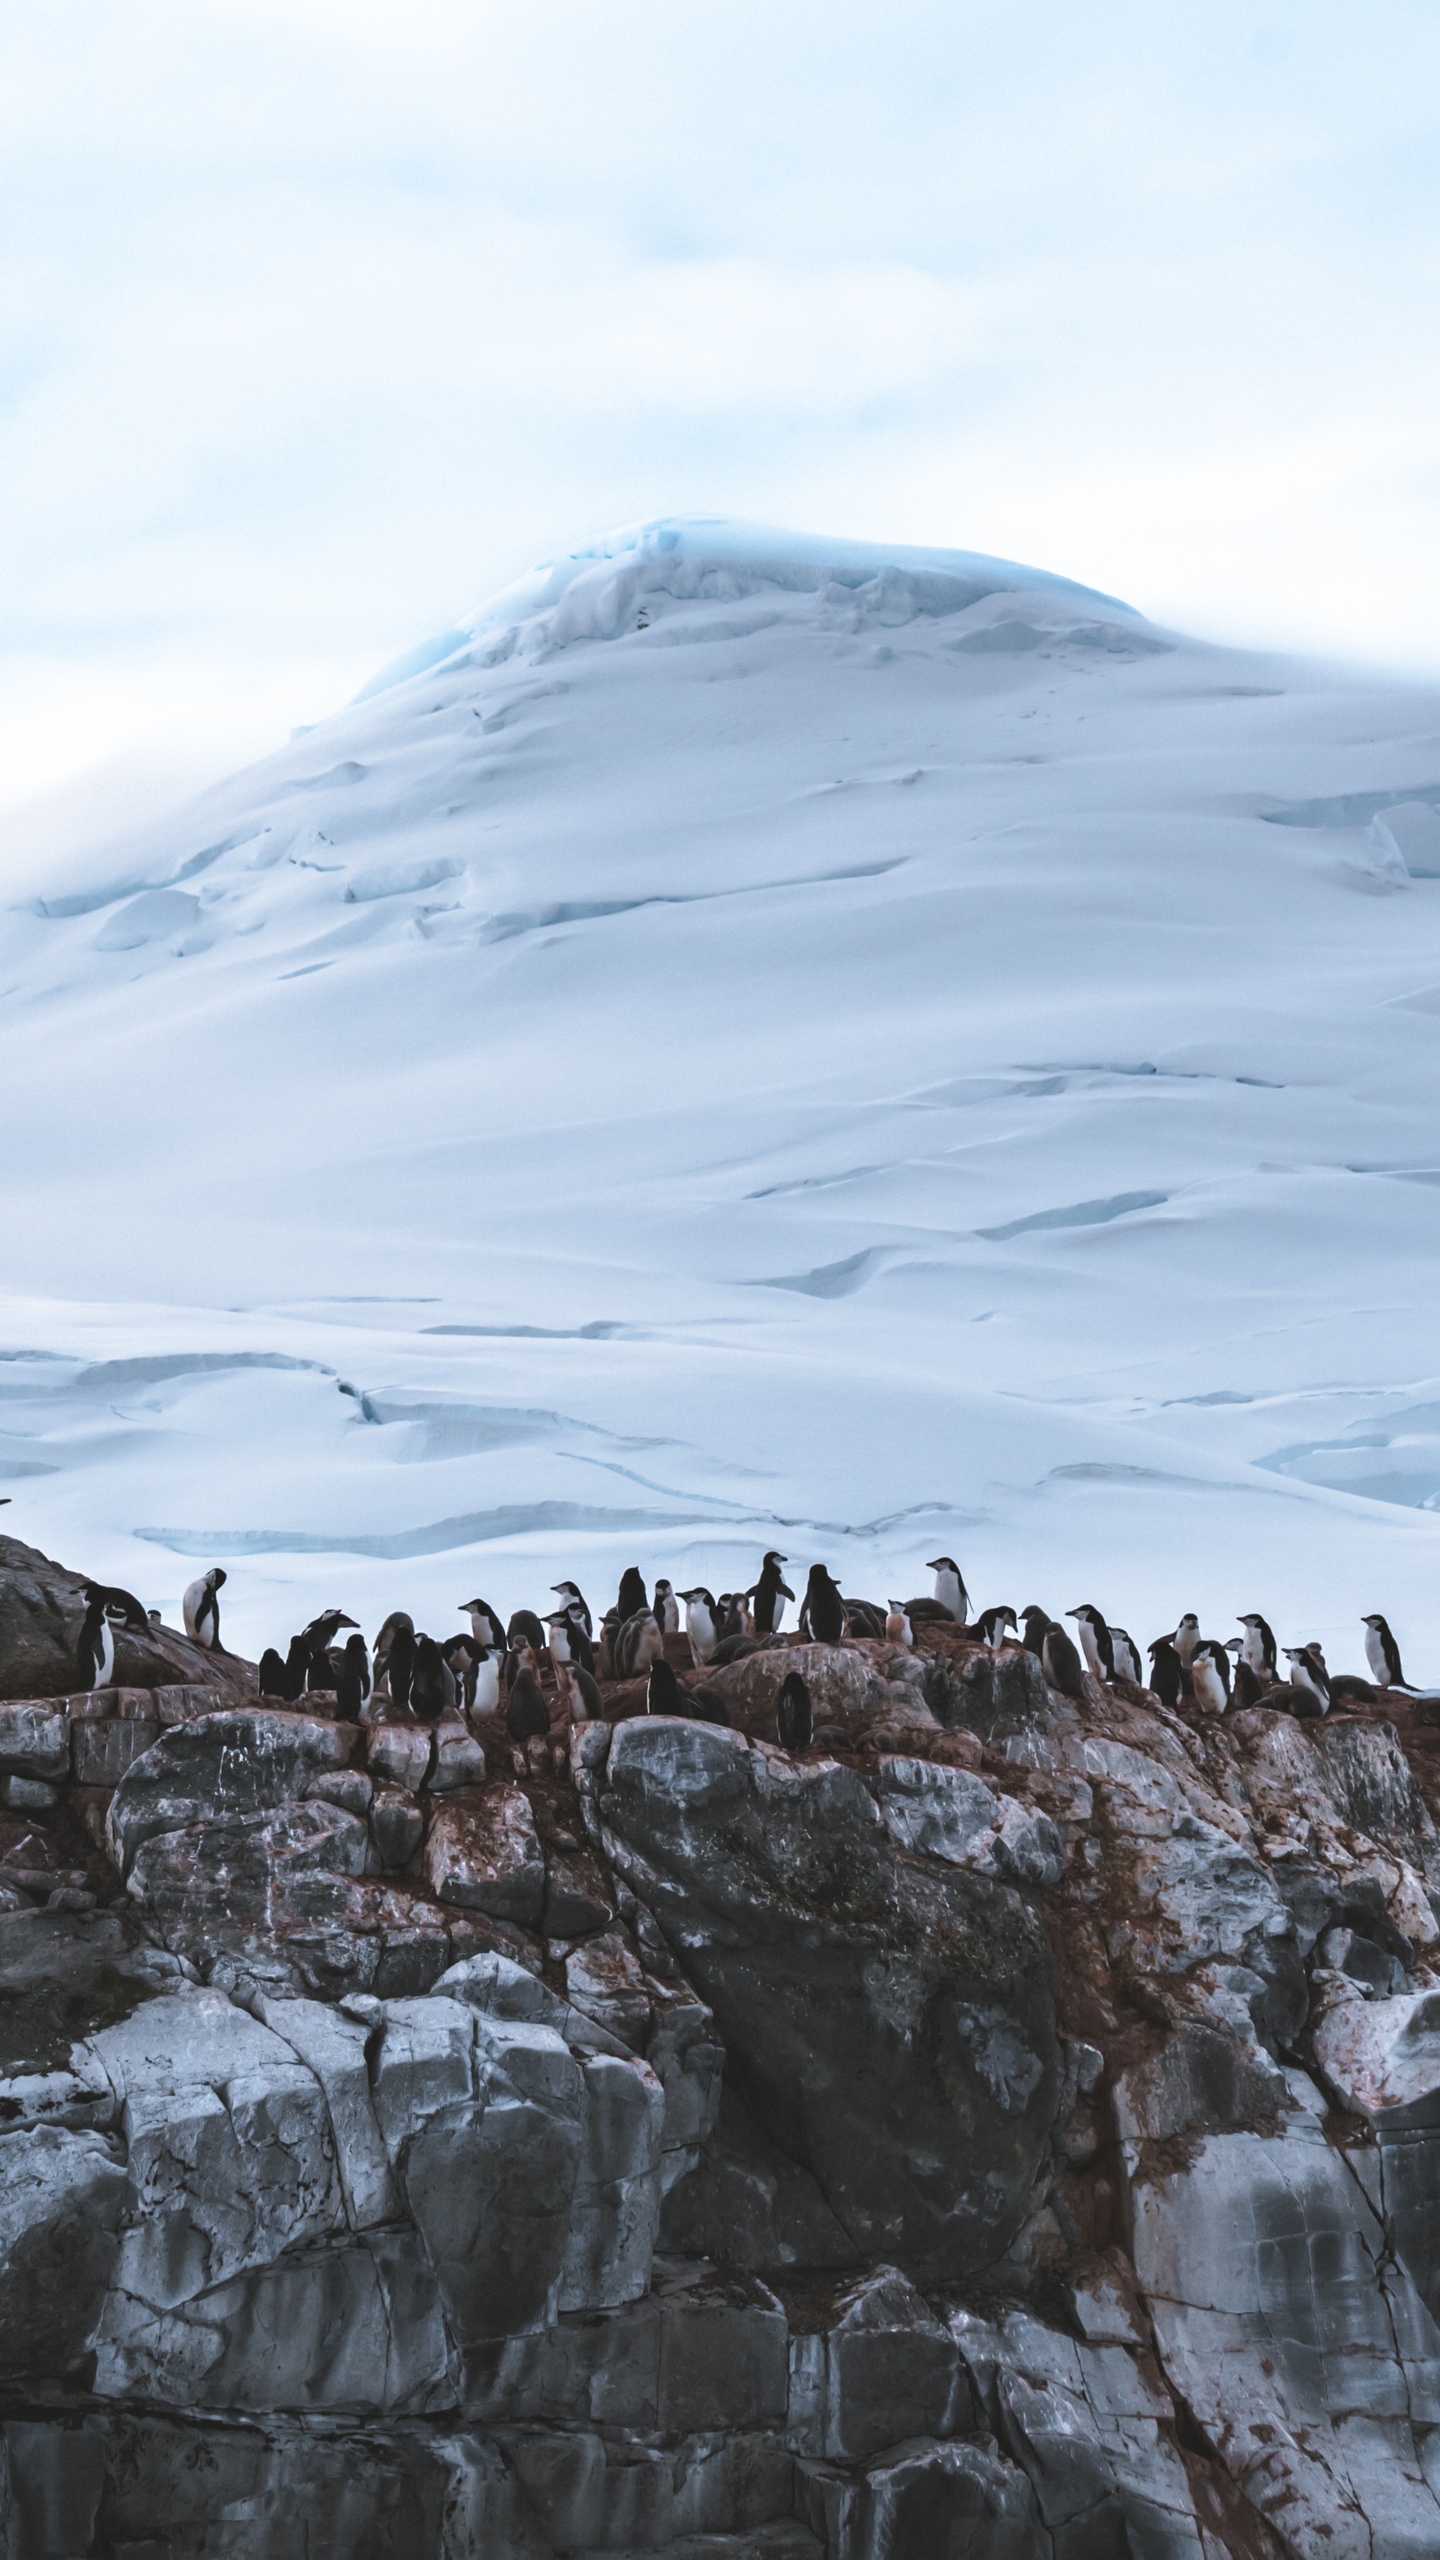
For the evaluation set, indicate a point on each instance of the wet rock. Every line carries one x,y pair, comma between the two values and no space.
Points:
61,2197
483,1853
239,1762
457,1759
842,1679
891,2024
398,1755
579,1897
397,1826
34,1741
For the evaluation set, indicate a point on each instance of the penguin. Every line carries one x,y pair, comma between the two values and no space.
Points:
1126,1655
527,1717
462,1653
603,1649
730,1616
735,1648
794,1714
579,1693
1383,1655
631,1597
636,1644
1257,1646
667,1610
352,1679
822,1611
572,1597
484,1693
1307,1671
770,1594
1210,1678
485,1623
1186,1637
1294,1698
1167,1672
432,1682
1035,1621
1246,1691
663,1693
1094,1640
898,1629
559,1638
992,1626
1061,1663
1346,1690
317,1639
700,1624
863,1618
272,1674
525,1628
950,1588
202,1610
297,1663
95,1645
395,1649
122,1607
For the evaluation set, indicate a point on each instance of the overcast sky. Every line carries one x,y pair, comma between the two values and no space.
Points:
323,318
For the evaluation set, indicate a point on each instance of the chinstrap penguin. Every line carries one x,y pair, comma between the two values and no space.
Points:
794,1713
822,1611
1383,1654
1095,1641
202,1609
770,1594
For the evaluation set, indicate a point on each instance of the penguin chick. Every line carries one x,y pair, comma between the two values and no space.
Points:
898,1629
1126,1655
1257,1645
272,1674
352,1679
631,1596
1247,1691
667,1610
570,1596
399,1663
794,1713
770,1594
1346,1690
1383,1655
635,1645
432,1682
484,1695
1167,1672
1094,1640
202,1610
663,1693
864,1618
729,1616
525,1628
700,1624
526,1715
485,1623
950,1589
822,1611
1061,1663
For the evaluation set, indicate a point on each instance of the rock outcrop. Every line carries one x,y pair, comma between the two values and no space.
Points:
1010,2128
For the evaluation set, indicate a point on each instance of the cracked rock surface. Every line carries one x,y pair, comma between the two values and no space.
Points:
1009,2129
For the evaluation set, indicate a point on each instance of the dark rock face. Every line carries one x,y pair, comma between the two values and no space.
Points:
1009,2130
891,2025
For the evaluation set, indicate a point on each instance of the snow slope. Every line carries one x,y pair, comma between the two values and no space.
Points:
752,1041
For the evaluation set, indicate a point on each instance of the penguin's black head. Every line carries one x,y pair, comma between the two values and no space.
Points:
216,1576
944,1564
773,1556
1378,1623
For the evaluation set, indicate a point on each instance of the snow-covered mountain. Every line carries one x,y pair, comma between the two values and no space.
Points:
752,1041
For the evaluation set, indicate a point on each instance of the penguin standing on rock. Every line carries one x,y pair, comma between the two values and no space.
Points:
272,1674
1210,1677
1095,1641
525,1628
1186,1637
486,1624
1383,1655
1126,1656
794,1713
993,1625
822,1611
864,1618
770,1594
579,1693
570,1596
317,1639
950,1588
667,1610
898,1629
1167,1672
202,1610
527,1717
1257,1645
631,1597
1307,1670
1061,1663
700,1621
352,1679
395,1656
1035,1621
95,1645
432,1682
1245,1685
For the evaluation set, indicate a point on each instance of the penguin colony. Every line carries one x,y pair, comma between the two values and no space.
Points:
503,1664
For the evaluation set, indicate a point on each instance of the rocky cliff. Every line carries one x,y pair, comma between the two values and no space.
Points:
1010,2128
